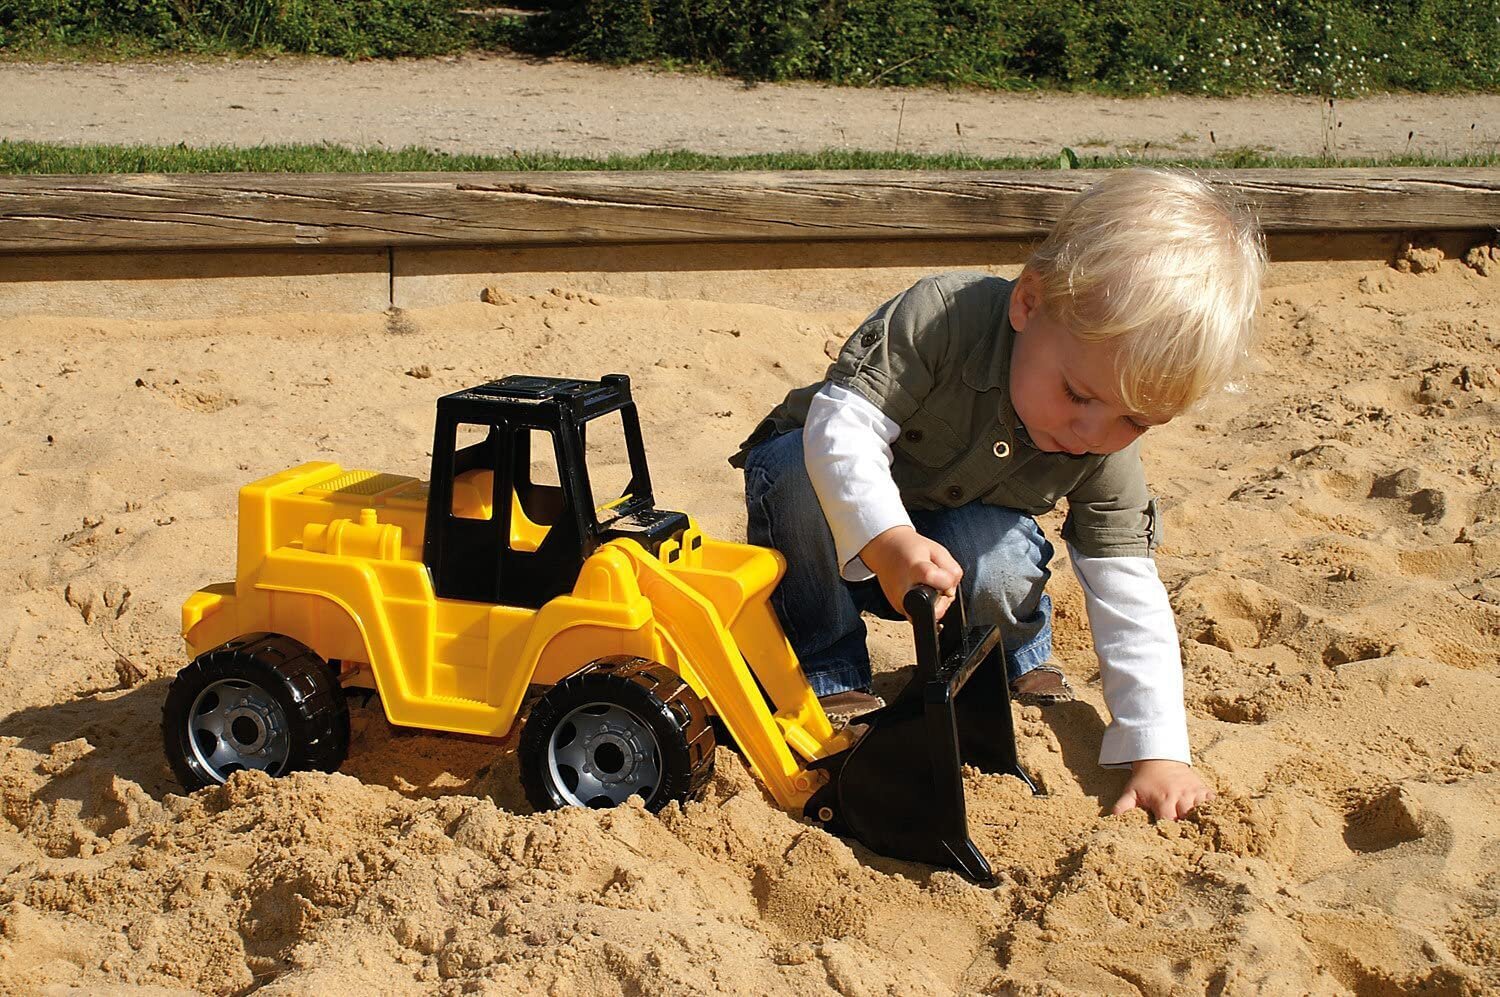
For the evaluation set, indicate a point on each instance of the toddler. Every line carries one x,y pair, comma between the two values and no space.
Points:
967,405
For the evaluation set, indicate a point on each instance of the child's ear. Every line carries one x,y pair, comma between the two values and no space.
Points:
1025,299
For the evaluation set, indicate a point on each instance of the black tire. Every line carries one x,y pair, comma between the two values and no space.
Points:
650,737
278,705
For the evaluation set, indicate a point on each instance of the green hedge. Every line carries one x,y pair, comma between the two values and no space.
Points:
1129,46
1333,47
347,28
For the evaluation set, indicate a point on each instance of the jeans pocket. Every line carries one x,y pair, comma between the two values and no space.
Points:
757,516
756,483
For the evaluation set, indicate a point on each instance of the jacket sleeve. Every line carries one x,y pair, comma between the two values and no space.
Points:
894,358
1110,512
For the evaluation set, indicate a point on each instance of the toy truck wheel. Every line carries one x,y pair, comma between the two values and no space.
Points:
263,701
620,727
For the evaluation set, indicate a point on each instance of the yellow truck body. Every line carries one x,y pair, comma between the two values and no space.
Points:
333,558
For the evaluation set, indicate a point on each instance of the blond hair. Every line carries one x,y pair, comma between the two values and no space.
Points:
1166,265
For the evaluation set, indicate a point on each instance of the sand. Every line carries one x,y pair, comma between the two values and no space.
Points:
1332,551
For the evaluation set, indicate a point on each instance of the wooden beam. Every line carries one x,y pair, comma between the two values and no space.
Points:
154,212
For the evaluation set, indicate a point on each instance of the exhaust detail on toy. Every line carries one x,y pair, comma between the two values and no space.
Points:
534,557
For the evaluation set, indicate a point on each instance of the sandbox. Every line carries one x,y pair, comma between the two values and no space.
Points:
1332,549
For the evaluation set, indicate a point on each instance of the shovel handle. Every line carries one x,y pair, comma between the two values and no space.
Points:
921,602
935,639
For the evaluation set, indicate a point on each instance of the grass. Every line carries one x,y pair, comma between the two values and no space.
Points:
123,50
37,158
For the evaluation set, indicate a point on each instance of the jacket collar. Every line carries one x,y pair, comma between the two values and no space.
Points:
987,367
988,363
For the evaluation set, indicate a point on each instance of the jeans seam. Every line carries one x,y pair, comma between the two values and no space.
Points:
760,502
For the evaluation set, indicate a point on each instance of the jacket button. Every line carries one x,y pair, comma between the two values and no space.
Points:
869,338
915,435
1002,449
955,492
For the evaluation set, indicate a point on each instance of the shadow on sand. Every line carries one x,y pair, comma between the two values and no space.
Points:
123,731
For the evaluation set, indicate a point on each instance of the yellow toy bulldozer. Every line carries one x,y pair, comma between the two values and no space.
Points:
501,583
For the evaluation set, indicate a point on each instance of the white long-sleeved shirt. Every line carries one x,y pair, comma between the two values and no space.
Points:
847,448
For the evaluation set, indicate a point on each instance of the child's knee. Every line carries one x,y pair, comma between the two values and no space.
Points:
1012,574
1014,594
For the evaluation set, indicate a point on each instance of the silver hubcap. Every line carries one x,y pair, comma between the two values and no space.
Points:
601,755
234,725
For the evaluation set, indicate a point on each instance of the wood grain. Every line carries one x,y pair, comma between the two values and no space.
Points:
149,212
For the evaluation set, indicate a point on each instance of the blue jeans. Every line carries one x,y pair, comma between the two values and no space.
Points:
1003,553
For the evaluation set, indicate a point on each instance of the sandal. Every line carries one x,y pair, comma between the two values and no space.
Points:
849,704
1042,686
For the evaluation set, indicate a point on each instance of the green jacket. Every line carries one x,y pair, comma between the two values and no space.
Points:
936,360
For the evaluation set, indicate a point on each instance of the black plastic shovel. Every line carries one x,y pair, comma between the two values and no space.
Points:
899,790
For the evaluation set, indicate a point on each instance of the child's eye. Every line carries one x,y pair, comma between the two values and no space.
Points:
1073,396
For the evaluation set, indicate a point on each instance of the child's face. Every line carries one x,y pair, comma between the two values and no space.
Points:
1064,389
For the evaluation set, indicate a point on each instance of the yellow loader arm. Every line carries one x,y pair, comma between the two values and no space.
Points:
712,608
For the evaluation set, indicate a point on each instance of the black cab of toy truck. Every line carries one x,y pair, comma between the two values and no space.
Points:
499,427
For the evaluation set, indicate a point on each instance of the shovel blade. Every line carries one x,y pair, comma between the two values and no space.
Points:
899,789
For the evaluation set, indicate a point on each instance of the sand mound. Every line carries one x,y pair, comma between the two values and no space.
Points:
1333,551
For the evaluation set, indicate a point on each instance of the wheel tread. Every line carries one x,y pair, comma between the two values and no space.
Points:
625,675
309,682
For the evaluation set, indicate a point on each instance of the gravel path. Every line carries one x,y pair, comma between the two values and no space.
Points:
496,104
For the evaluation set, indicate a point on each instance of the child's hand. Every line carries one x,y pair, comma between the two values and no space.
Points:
1162,787
901,558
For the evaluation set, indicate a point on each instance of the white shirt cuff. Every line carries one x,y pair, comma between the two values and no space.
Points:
846,445
1140,662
